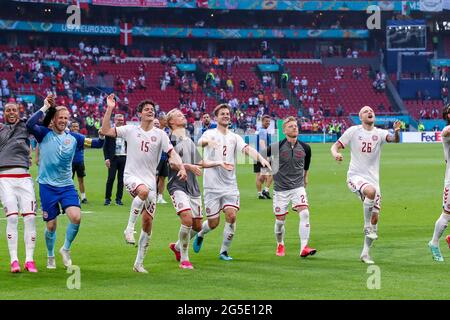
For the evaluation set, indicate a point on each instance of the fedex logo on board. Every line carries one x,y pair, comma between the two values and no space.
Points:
431,136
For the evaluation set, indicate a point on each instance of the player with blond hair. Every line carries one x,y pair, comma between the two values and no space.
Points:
290,160
186,196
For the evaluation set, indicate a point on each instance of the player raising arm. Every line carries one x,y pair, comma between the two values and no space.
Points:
56,188
145,144
365,142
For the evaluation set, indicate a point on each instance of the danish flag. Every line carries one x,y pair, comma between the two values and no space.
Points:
126,38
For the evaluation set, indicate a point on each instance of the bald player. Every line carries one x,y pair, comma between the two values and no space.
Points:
365,142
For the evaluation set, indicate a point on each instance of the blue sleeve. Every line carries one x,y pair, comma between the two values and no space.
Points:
38,131
97,143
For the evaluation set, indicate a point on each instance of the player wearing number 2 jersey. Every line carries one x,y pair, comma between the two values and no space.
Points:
365,142
220,185
145,144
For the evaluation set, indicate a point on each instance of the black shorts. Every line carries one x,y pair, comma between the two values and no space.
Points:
163,168
257,167
79,169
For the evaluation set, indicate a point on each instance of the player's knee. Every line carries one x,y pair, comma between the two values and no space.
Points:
76,220
51,226
370,192
186,218
213,223
231,217
143,192
13,220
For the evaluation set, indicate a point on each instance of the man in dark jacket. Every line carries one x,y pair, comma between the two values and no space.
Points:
115,154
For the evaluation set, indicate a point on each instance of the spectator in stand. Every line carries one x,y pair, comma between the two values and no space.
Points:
230,85
242,85
142,82
434,113
444,94
304,84
422,113
296,83
355,54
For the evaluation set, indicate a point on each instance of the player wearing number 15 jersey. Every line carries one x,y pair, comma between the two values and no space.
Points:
145,143
365,142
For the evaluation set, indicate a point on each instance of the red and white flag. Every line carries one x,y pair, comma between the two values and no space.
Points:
126,38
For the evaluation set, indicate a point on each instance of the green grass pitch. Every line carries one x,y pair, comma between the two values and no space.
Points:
411,184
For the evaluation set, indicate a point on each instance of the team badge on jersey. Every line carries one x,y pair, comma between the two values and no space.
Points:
374,138
153,139
67,141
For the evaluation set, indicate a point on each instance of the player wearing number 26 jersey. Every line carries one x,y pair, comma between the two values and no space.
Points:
365,142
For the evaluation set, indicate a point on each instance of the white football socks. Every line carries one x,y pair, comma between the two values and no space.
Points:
11,236
279,231
136,207
304,228
144,241
29,235
205,229
184,237
228,233
439,227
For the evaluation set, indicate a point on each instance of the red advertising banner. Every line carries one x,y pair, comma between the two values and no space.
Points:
131,3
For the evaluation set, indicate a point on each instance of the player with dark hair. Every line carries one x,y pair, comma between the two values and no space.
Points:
145,144
290,164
